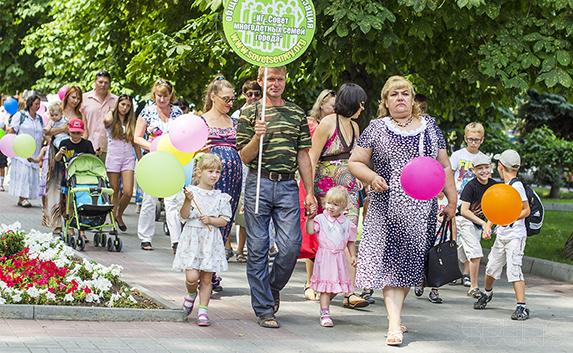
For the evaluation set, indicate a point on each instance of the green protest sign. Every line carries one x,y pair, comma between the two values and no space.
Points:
269,32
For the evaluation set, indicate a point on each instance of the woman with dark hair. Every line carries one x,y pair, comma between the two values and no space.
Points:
153,121
332,143
120,158
24,173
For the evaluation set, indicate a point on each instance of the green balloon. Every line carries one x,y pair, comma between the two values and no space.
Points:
24,145
159,174
2,133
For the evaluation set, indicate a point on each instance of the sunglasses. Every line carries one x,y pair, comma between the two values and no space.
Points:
227,100
255,94
162,82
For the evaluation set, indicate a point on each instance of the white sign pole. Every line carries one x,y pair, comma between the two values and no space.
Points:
261,141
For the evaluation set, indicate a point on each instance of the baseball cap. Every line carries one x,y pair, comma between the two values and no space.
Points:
481,158
509,158
76,125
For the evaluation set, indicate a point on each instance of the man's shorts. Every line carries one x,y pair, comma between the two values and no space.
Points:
506,252
469,237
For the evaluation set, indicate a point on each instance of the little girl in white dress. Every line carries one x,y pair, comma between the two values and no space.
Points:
336,233
201,251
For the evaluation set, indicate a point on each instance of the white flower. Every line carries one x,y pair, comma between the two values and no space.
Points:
69,297
3,285
132,299
50,296
2,301
33,292
92,297
16,297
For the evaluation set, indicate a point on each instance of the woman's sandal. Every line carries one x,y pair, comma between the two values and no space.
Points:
241,258
358,303
403,328
268,322
146,246
394,338
310,294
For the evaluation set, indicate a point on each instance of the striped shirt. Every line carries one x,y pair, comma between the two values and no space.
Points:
287,133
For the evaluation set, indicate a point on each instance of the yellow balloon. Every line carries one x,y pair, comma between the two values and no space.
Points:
165,145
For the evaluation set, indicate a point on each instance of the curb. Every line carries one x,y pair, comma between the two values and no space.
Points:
80,313
545,268
554,206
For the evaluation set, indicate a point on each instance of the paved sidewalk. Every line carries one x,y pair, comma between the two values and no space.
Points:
451,327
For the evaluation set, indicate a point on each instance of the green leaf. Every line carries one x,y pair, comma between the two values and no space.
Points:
563,57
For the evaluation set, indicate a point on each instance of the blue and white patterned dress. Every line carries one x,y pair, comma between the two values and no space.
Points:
25,176
223,143
398,230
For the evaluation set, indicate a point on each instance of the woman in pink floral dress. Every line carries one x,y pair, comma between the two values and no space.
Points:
332,143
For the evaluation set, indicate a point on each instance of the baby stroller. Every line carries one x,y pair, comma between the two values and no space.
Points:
88,202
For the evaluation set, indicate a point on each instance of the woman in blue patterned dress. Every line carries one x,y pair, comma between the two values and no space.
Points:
219,100
398,230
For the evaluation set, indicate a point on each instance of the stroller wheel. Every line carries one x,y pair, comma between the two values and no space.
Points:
81,243
103,240
165,228
109,244
118,244
97,237
72,241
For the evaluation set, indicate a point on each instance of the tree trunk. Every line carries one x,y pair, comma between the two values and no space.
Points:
568,251
554,192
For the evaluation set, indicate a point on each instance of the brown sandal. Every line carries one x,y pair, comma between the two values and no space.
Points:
146,246
268,322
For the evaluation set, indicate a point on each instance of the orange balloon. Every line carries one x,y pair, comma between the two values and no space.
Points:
501,204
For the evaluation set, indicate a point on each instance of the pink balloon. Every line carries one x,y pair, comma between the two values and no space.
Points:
44,117
188,133
155,143
62,92
423,178
42,111
6,145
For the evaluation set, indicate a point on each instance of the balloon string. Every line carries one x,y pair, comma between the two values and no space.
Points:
201,213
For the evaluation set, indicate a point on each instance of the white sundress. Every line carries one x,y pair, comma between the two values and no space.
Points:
200,248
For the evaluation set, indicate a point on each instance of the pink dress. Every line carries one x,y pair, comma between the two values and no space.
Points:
330,274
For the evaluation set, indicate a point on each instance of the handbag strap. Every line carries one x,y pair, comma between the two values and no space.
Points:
445,228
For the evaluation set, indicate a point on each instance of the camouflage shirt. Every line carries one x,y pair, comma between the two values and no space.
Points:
287,133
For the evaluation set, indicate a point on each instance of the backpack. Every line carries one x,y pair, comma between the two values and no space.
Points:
23,117
534,221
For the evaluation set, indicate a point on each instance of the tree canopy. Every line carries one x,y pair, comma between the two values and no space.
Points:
467,56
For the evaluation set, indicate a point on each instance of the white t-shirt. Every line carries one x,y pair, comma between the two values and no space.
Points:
517,230
462,162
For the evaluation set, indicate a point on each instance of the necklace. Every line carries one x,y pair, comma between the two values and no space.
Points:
403,124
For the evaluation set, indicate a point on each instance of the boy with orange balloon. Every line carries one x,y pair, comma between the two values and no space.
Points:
511,234
473,222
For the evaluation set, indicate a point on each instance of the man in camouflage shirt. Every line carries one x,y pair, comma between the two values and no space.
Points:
286,141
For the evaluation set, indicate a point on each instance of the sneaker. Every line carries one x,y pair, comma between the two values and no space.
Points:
216,283
474,292
325,320
188,303
466,281
453,283
434,296
521,313
419,291
482,300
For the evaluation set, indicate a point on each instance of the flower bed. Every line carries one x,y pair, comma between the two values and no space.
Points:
36,268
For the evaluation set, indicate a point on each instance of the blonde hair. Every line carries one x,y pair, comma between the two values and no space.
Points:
474,127
315,111
216,86
206,161
337,195
397,82
165,88
55,107
261,72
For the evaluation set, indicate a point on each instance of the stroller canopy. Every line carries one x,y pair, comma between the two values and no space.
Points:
87,168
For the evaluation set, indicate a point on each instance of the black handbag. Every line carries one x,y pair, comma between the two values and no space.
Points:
442,264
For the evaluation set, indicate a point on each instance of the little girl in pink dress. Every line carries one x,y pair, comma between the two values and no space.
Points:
335,233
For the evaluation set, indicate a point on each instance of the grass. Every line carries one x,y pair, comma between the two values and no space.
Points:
549,244
565,196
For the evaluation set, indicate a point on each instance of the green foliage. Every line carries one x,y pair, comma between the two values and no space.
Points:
465,55
551,157
547,109
11,242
